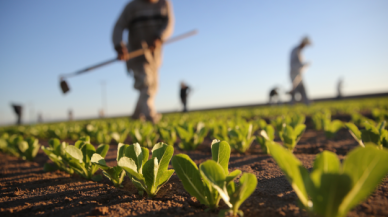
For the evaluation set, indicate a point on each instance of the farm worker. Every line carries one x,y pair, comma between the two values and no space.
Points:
339,88
185,90
149,22
274,96
18,109
297,67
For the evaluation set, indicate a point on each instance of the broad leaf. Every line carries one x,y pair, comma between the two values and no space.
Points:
295,173
102,150
188,173
214,176
74,152
129,165
100,161
366,167
327,162
221,154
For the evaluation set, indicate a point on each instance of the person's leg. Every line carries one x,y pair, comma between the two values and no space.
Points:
302,91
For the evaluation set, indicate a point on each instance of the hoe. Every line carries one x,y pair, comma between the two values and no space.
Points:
65,87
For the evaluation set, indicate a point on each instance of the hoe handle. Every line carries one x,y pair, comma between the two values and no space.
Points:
132,54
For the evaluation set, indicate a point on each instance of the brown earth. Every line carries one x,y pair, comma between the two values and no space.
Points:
26,190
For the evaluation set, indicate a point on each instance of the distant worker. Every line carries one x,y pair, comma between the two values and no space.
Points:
185,90
339,88
274,96
18,109
297,67
149,22
70,115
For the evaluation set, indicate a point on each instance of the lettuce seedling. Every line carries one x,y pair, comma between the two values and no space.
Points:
212,180
8,144
239,193
168,135
191,139
115,174
203,182
57,153
79,158
15,145
145,136
121,136
241,138
371,134
291,136
332,189
319,119
151,175
74,158
331,127
266,135
28,148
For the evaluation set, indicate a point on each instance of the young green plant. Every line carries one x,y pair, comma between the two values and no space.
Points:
241,137
116,174
332,189
266,135
212,180
291,136
148,175
371,134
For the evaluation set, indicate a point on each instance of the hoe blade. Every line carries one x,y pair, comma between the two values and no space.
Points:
64,87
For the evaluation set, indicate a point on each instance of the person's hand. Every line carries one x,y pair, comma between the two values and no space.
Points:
122,52
157,43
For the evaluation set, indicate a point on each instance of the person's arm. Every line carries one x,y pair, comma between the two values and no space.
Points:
117,36
169,27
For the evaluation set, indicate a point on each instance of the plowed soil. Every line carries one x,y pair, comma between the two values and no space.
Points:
26,190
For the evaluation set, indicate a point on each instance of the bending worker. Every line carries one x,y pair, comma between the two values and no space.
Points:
149,22
297,68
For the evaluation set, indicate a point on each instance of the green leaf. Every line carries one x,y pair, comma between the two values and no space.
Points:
163,153
102,150
150,171
299,130
188,173
163,179
54,143
366,167
99,161
355,133
121,151
295,173
75,153
248,183
23,146
135,152
87,151
329,191
129,165
221,154
327,162
270,132
232,176
212,173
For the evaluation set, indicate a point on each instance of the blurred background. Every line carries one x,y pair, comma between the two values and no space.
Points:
241,52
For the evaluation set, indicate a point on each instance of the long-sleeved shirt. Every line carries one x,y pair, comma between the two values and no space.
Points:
146,21
296,63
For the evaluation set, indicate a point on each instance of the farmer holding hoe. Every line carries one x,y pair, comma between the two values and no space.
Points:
150,23
297,68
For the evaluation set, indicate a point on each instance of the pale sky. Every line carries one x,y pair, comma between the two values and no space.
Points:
241,52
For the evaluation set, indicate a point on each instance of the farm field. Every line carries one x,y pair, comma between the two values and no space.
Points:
27,189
